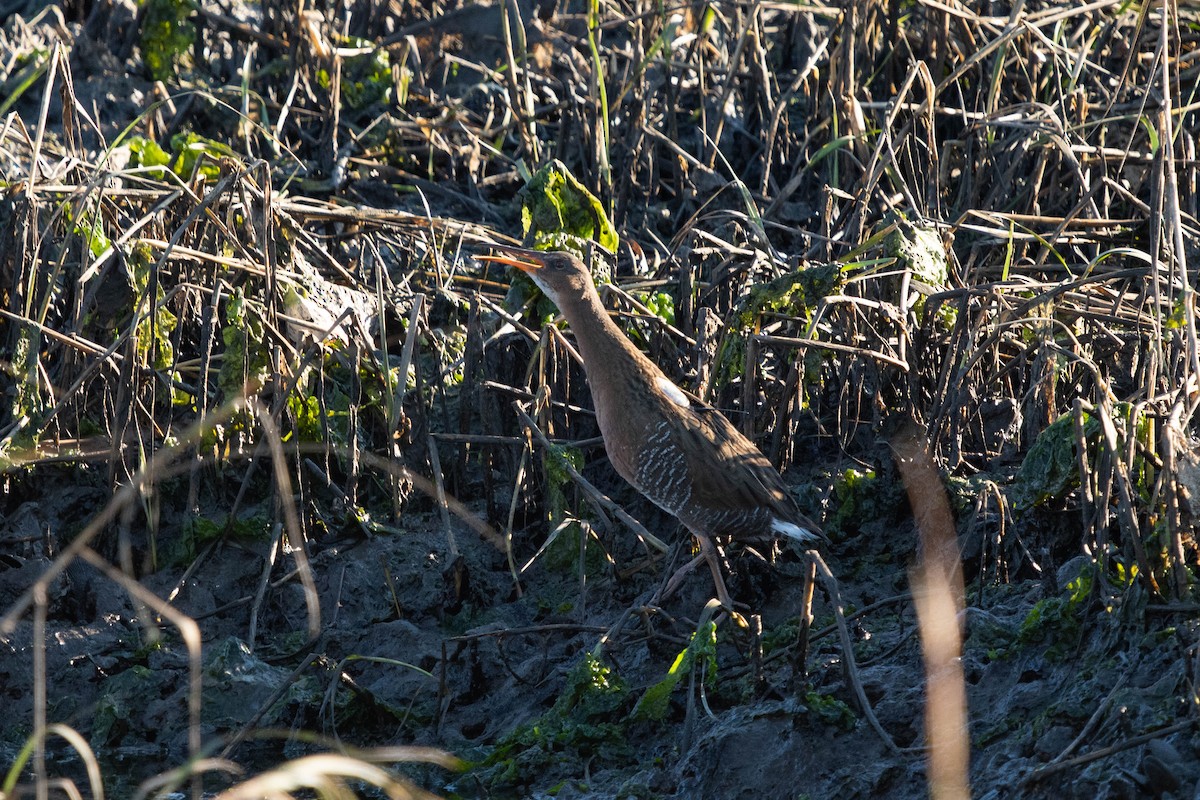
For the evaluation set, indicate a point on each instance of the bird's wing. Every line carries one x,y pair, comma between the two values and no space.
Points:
727,469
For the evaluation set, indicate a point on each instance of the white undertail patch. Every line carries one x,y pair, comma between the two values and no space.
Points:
793,531
673,392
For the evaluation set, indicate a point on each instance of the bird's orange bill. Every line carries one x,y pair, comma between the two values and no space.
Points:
519,257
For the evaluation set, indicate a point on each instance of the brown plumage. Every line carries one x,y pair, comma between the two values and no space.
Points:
686,457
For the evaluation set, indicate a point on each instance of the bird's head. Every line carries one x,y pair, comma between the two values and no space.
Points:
562,276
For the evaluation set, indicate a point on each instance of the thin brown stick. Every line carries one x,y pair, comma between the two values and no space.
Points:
851,665
599,500
938,592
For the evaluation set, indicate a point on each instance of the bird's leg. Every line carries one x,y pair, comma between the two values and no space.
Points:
708,551
676,579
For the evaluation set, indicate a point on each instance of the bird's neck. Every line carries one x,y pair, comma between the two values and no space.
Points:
621,378
603,346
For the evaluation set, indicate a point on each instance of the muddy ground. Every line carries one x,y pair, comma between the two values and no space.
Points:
405,658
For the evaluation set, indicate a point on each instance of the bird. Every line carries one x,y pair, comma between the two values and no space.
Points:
683,455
